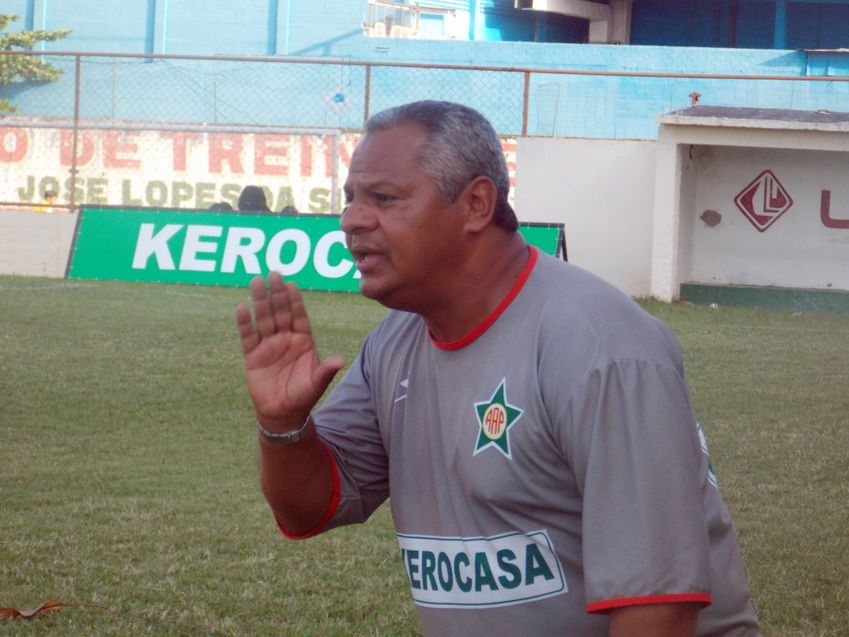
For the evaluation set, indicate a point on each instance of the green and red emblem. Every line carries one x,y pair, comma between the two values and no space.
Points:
495,417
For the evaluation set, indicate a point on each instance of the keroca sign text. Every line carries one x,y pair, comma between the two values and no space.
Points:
200,247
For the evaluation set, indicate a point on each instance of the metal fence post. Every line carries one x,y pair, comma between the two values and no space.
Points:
368,94
335,202
76,132
525,101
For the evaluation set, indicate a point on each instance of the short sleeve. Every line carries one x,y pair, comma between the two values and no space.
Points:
634,447
347,423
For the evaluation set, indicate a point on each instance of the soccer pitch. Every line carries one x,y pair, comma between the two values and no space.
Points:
128,476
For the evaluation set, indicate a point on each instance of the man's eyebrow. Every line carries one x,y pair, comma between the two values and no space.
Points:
372,186
381,183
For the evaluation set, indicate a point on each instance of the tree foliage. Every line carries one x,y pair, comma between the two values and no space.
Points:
30,68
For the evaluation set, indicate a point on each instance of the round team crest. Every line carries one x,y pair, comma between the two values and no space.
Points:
494,421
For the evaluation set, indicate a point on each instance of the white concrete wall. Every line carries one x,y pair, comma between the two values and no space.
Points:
602,191
35,244
797,249
631,210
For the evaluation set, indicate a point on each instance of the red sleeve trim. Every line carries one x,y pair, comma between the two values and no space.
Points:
472,336
331,509
678,598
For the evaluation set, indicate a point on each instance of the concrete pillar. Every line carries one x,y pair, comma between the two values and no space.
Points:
281,13
665,232
160,26
473,19
620,21
38,11
39,14
599,32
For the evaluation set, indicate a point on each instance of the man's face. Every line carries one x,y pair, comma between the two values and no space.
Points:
406,238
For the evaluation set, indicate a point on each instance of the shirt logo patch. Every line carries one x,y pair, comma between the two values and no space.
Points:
495,417
480,572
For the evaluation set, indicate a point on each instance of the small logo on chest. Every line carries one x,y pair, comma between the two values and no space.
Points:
495,417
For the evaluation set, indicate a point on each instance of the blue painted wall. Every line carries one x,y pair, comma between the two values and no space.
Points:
194,27
311,27
256,93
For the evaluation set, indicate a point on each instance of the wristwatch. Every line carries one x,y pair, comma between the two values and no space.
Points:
284,437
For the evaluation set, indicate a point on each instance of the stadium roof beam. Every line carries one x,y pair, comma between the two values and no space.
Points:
609,23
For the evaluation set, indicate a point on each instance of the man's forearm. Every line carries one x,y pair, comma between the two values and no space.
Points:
658,620
297,481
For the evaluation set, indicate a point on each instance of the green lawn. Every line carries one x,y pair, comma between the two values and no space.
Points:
128,468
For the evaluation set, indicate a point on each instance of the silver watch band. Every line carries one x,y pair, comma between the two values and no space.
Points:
284,437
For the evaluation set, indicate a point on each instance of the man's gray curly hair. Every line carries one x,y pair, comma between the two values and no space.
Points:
461,146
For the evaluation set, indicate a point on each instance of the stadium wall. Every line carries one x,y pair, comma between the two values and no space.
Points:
35,244
266,94
293,27
750,202
272,27
334,93
656,217
709,205
602,191
599,107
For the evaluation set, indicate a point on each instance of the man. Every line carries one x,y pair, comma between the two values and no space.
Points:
252,199
530,424
47,202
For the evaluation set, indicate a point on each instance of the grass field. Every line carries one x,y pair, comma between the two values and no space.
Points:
128,468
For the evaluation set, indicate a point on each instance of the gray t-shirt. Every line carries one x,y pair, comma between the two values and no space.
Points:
541,471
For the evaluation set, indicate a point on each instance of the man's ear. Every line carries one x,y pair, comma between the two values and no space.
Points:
478,199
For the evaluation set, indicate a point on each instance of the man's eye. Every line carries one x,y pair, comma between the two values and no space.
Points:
380,198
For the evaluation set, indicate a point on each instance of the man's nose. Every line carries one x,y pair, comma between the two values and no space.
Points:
357,216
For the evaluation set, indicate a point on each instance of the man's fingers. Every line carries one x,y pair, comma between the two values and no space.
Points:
247,333
277,308
262,308
300,321
280,304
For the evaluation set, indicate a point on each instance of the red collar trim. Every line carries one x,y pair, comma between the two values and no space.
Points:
472,336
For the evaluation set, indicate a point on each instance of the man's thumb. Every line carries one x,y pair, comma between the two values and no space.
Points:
326,370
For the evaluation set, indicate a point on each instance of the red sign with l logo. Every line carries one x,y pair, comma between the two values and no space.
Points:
764,200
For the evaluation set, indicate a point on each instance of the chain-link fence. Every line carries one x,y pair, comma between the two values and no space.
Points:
193,132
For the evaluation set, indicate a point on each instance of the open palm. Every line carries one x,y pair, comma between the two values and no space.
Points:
284,374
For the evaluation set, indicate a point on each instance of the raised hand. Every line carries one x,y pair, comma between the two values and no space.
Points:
284,374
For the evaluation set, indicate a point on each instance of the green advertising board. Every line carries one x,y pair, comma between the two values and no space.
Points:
211,248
